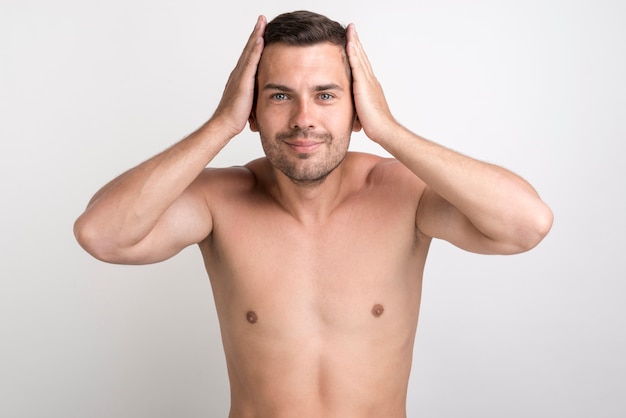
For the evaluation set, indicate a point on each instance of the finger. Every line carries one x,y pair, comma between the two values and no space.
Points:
254,45
356,53
259,29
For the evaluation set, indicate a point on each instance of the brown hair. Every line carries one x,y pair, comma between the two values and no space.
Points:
304,28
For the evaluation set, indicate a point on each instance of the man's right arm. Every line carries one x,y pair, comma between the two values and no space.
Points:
154,210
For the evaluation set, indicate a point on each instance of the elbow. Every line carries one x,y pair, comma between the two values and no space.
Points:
535,228
90,238
543,220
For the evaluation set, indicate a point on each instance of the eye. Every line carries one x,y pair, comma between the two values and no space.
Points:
279,96
325,96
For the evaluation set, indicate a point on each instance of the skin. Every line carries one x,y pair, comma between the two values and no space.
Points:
315,255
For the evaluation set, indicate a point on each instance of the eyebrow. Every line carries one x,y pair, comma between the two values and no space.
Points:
329,86
321,87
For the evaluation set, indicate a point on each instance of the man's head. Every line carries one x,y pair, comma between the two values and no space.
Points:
304,109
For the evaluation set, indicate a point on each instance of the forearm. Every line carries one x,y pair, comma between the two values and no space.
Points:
500,204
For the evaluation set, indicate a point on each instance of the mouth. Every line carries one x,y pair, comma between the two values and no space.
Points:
303,146
304,141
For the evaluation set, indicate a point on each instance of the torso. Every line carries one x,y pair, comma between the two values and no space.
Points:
318,319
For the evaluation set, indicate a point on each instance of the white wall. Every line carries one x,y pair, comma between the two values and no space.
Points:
89,89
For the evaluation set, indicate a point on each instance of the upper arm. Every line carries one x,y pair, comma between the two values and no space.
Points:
438,218
188,220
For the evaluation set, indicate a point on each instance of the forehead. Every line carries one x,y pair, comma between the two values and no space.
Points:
282,63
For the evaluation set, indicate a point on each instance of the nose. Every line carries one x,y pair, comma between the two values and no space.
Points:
303,116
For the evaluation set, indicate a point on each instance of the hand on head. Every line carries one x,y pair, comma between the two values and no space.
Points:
371,106
236,103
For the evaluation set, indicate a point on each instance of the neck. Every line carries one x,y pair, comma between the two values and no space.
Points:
310,202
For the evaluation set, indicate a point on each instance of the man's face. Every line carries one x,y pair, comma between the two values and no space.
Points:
304,111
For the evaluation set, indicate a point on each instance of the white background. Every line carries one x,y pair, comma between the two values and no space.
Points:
89,89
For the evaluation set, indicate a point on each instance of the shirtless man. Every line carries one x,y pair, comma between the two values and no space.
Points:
315,254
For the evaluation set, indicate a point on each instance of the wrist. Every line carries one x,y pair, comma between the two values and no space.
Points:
385,133
221,128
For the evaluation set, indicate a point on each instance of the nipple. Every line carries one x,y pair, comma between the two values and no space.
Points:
378,310
251,317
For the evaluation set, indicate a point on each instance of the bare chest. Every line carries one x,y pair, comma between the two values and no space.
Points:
361,259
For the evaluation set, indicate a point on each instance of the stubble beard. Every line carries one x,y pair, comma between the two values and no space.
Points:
305,169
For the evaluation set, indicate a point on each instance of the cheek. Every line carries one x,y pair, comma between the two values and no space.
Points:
263,124
271,117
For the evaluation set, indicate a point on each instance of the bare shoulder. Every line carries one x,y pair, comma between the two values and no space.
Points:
225,180
389,172
386,180
391,190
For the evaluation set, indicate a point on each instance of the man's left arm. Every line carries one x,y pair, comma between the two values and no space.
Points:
477,206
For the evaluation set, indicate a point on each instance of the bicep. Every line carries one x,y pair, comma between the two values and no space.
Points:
187,221
438,218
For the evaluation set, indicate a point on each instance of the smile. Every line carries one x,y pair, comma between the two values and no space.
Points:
303,147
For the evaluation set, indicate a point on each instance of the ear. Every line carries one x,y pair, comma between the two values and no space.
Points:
356,124
252,121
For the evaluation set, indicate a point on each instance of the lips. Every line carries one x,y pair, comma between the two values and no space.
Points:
304,141
304,146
